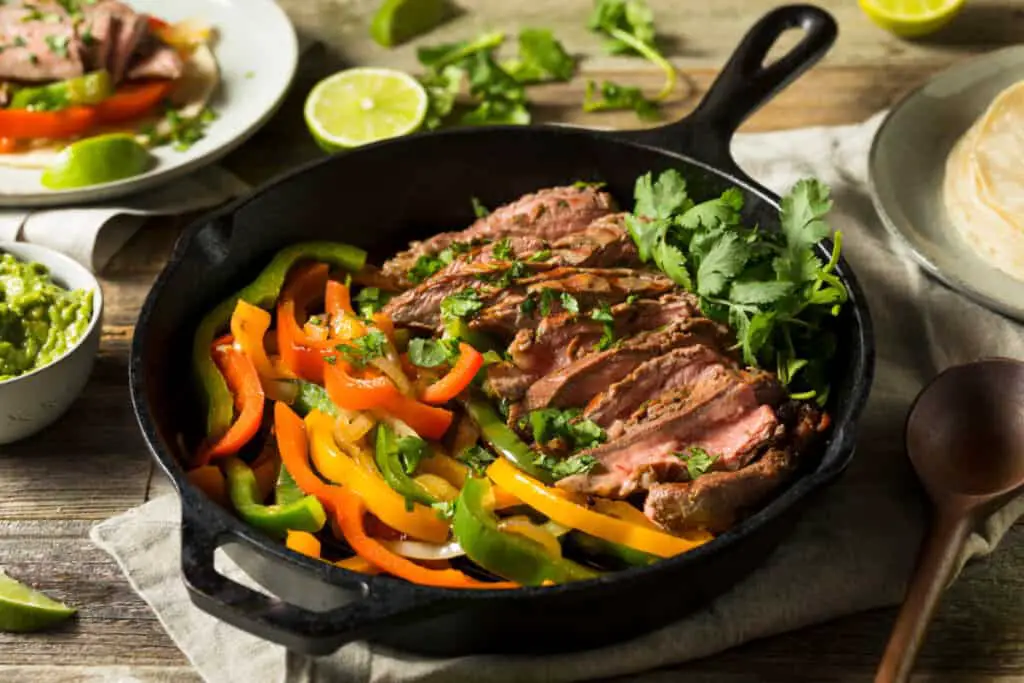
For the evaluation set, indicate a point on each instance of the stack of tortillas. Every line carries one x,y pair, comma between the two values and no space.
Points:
984,184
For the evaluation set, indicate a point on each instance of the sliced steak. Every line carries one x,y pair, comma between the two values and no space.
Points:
39,42
722,415
156,60
547,215
716,500
679,368
577,383
604,242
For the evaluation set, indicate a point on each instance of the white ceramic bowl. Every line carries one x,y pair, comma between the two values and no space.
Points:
31,402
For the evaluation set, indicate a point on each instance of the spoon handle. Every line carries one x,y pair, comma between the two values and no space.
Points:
934,567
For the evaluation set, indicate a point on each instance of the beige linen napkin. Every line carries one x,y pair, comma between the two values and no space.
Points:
93,234
852,551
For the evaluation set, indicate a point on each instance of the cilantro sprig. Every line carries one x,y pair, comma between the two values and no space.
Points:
770,287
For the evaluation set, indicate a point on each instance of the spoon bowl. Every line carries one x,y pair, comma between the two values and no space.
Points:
965,439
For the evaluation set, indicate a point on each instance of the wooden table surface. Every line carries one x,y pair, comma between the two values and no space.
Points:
94,464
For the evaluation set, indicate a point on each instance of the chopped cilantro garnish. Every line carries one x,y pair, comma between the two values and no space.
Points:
369,300
551,423
373,344
461,304
476,457
430,353
567,467
503,250
697,460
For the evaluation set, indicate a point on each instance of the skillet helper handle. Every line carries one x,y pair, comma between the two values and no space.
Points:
934,568
297,628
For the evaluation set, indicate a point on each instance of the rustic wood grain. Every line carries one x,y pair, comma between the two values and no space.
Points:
94,463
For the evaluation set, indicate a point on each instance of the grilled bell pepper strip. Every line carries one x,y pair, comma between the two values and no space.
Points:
387,505
303,542
286,490
379,393
249,325
551,502
622,556
509,555
349,513
244,382
21,124
458,378
262,292
293,444
387,456
506,442
306,514
301,354
133,100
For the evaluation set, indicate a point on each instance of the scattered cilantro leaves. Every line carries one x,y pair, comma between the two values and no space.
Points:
411,450
541,58
370,300
444,509
610,96
569,303
461,304
430,353
542,255
503,250
603,314
550,423
567,467
373,344
698,461
476,457
548,297
425,266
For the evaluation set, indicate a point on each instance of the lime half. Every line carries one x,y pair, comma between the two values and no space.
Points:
358,106
101,159
23,609
397,21
911,18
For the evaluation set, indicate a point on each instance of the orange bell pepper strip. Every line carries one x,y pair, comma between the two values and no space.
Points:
337,300
249,325
133,101
458,378
8,145
244,382
349,513
379,393
300,354
50,125
303,542
293,444
210,480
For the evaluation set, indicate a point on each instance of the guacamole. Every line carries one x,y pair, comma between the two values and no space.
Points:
39,320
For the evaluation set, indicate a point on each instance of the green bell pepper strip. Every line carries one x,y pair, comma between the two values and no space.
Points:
263,292
621,555
509,555
505,441
90,88
305,514
311,396
390,465
286,491
457,328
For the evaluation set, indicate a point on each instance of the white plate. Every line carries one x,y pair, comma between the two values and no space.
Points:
257,53
907,166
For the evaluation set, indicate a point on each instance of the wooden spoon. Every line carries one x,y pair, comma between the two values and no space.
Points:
965,438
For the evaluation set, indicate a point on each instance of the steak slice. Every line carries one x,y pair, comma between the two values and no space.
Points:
604,242
547,215
575,384
680,368
156,60
723,415
39,42
716,500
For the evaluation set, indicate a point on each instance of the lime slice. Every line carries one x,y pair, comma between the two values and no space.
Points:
102,159
23,609
363,105
911,18
397,21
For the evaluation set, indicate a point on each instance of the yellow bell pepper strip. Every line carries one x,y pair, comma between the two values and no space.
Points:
303,542
210,480
509,555
262,292
547,501
438,487
249,325
446,467
350,512
249,399
619,556
389,460
306,514
503,440
387,505
458,378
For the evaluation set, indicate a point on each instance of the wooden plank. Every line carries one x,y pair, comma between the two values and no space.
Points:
100,674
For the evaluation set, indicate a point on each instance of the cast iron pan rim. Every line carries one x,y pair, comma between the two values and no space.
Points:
842,437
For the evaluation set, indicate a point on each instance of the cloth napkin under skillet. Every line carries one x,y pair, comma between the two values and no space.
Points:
852,551
93,234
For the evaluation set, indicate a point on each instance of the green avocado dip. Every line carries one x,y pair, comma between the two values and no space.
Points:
39,320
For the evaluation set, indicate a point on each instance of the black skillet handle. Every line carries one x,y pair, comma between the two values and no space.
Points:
745,84
373,604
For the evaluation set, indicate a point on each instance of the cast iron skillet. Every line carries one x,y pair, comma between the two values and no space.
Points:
379,197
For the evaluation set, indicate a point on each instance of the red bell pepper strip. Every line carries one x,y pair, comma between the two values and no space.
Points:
300,354
8,145
51,125
132,101
458,378
244,382
337,299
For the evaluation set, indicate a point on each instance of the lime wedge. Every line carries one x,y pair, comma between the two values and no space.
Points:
911,18
397,21
101,159
23,609
362,105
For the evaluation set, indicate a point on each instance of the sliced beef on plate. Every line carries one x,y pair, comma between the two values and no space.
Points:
547,215
577,383
155,60
723,415
39,42
506,313
679,368
121,28
716,500
604,242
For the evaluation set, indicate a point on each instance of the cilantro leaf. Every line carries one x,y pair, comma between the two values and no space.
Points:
445,510
461,304
567,467
479,210
725,260
373,344
661,198
442,89
672,262
715,213
437,57
503,250
548,296
611,96
603,313
647,234
803,212
369,300
477,458
755,292
428,353
697,460
541,58
542,255
550,423
425,266
497,111
569,302
628,26
411,450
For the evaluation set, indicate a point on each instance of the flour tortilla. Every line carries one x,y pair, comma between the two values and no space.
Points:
983,188
192,91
